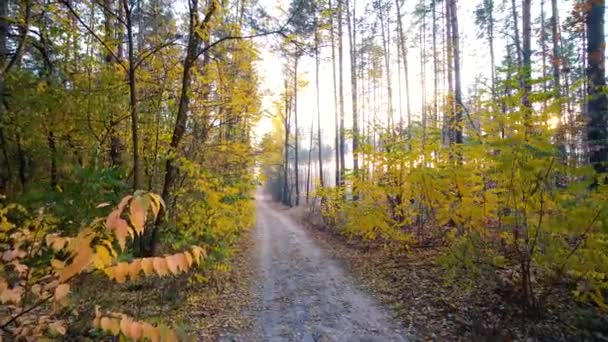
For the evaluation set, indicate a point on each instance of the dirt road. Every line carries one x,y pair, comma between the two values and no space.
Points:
303,295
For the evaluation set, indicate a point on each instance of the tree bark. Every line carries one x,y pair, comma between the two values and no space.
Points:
336,104
526,72
597,105
295,117
192,52
556,58
352,39
137,184
405,68
456,123
317,62
341,93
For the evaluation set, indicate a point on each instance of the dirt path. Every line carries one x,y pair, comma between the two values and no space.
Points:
303,295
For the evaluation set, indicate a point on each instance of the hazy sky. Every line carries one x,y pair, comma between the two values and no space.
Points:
475,63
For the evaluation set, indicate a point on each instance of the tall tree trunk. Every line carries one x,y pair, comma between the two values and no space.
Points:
423,118
405,68
295,116
456,124
320,142
116,144
556,57
597,105
435,64
352,39
192,52
543,45
526,72
449,115
385,31
516,39
333,74
137,184
490,34
341,93
286,125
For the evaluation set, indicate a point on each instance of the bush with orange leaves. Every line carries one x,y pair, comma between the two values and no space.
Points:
38,266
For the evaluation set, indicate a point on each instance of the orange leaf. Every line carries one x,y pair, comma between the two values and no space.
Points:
125,325
160,266
61,292
82,252
172,264
182,262
147,266
121,270
137,214
136,331
134,268
151,332
110,325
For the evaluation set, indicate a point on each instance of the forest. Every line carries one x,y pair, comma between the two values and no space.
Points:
179,170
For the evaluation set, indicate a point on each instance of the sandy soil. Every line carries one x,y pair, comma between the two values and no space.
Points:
304,295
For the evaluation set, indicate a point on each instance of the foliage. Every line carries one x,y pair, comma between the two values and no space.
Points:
509,209
39,266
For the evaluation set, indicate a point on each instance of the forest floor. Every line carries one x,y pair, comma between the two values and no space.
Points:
411,284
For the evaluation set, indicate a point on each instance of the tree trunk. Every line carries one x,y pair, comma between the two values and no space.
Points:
405,69
352,39
341,93
556,58
295,117
526,72
286,196
516,40
308,178
597,105
448,116
184,100
456,123
385,31
435,63
317,62
333,74
137,184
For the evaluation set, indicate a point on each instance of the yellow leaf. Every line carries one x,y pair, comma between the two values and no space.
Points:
189,258
57,264
198,254
102,257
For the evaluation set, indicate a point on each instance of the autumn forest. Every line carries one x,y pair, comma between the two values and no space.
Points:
302,170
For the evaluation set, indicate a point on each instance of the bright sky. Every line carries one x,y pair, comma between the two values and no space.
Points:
475,63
